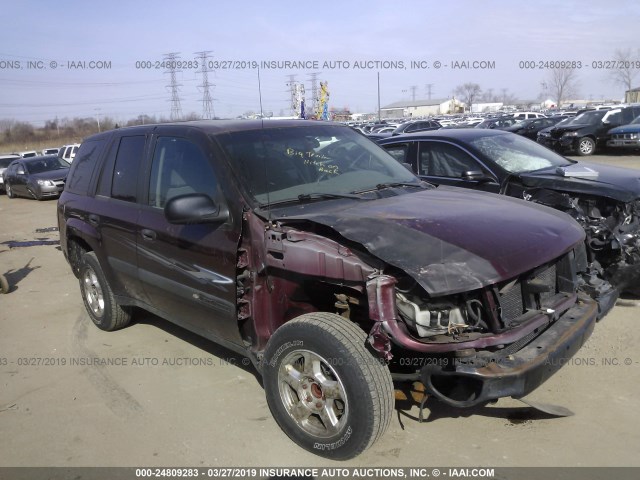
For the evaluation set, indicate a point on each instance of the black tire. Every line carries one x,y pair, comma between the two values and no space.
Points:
341,393
586,146
9,191
4,284
98,297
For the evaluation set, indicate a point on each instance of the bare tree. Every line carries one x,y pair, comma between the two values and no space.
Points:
561,84
624,73
468,92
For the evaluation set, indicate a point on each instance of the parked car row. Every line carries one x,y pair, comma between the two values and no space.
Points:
310,250
591,130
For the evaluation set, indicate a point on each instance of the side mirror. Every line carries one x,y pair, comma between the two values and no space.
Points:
407,166
194,208
476,175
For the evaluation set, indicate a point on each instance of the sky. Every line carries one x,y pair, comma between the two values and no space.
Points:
46,50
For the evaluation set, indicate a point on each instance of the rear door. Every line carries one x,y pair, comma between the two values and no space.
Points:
115,209
188,271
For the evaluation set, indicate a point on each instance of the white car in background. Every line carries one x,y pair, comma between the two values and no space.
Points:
50,151
68,152
5,160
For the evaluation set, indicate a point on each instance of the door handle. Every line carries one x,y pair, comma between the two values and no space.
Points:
148,235
94,219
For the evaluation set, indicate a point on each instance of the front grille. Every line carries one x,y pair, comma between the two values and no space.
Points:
511,302
624,136
531,291
547,277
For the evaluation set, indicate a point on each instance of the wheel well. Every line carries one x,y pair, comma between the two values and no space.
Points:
76,247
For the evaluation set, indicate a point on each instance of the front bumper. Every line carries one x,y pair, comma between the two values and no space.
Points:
624,143
45,191
475,380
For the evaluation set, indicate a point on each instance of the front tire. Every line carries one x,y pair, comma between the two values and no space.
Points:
586,146
327,392
98,297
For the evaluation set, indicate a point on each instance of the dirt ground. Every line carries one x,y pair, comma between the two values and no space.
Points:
172,399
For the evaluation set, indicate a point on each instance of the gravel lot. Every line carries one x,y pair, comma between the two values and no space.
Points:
177,400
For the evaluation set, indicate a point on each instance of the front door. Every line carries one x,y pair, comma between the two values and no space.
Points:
188,271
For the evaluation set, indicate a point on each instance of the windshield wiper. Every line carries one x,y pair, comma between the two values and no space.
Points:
306,197
382,186
303,197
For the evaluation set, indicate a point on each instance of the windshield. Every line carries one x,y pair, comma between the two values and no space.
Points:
589,118
636,121
46,164
280,164
517,154
4,162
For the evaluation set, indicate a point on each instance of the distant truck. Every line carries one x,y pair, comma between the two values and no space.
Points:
68,152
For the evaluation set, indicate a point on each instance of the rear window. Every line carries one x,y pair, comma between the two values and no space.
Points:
83,166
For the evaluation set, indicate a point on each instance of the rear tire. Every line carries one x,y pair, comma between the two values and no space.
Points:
327,392
9,191
98,297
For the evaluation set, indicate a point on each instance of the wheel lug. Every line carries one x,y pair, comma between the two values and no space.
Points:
319,405
304,386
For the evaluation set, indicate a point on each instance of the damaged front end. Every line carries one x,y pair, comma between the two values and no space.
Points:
466,347
470,348
612,230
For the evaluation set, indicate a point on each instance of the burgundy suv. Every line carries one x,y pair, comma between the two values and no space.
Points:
309,249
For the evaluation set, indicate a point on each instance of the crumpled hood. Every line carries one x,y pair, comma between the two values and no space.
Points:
450,240
619,183
569,128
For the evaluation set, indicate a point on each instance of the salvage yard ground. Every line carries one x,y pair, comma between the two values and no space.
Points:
156,395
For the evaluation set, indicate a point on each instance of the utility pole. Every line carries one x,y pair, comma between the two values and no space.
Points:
170,60
413,92
207,101
379,116
98,118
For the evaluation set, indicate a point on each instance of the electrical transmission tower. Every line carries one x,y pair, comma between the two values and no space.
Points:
413,89
207,101
296,89
315,97
429,86
171,63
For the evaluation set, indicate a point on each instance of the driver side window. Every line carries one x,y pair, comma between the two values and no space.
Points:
439,159
179,167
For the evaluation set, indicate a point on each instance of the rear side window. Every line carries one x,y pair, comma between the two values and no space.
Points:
125,171
83,166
